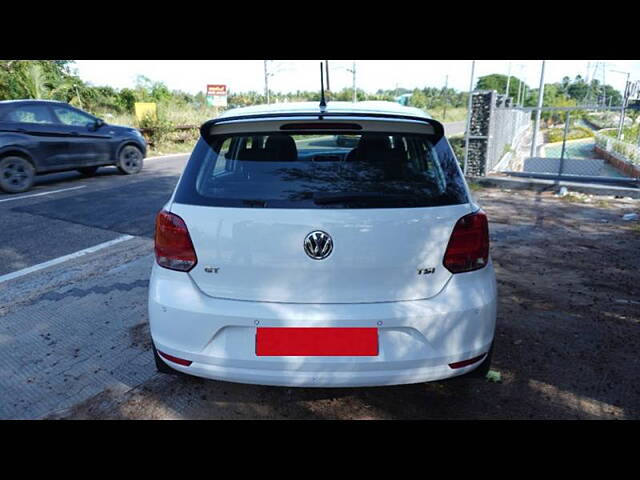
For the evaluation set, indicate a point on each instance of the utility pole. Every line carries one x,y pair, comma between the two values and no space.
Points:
266,82
467,132
604,88
536,125
446,84
508,80
355,98
326,69
520,84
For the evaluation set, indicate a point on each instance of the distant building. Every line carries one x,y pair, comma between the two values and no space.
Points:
403,99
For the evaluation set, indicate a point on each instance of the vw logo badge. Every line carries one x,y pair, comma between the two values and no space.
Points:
318,245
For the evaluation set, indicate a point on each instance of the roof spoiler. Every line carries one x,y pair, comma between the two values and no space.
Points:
438,128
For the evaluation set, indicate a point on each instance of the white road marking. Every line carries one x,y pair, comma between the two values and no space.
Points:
43,193
169,155
55,261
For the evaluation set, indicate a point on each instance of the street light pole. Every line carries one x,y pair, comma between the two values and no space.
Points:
520,85
446,84
508,81
624,102
536,125
467,132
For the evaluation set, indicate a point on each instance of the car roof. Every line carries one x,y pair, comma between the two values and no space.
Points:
313,108
30,100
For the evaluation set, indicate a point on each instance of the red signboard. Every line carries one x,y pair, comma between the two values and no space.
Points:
216,89
217,95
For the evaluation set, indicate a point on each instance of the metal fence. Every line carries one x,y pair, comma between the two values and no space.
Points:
511,127
567,146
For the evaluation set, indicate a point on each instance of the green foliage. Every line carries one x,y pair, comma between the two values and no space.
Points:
574,133
498,82
457,145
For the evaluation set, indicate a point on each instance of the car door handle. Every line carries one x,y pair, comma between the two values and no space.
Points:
74,133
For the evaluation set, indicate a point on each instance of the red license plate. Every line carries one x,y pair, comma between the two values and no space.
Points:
311,341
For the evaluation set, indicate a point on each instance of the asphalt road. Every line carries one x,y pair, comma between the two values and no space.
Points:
455,128
66,212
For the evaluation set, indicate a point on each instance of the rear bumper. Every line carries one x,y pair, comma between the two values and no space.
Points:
417,339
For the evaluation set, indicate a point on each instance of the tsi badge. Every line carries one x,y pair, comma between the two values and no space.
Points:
426,271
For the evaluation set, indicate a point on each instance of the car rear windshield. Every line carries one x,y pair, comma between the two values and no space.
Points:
311,170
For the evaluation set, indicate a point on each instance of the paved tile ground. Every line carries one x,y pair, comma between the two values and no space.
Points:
76,341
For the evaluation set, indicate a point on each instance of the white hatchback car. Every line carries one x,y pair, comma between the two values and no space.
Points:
283,258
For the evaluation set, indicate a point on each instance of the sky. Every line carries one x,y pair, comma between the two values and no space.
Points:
290,75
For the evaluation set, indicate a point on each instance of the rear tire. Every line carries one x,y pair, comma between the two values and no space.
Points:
130,160
160,365
88,171
16,174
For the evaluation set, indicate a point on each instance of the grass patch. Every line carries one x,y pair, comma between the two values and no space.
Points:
453,114
168,148
554,135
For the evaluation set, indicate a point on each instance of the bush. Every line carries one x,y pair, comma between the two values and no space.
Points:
159,128
575,133
457,144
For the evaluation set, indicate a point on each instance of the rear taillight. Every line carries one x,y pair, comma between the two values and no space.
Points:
468,247
173,246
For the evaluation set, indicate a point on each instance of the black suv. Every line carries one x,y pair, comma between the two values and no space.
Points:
38,136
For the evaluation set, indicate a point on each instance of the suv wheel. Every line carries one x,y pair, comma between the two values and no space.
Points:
16,174
130,160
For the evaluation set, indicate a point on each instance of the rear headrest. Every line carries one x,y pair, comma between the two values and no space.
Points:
253,154
376,148
372,142
281,148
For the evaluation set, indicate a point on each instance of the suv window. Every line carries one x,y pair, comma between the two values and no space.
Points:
277,170
73,117
29,114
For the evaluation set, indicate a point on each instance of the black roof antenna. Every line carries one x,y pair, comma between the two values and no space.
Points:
323,103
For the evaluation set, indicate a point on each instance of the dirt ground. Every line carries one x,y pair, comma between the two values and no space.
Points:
566,344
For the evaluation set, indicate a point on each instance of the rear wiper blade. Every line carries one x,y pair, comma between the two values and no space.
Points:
328,198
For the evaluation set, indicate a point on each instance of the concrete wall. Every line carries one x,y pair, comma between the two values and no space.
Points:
619,163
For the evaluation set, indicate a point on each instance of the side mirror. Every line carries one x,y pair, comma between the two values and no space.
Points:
97,124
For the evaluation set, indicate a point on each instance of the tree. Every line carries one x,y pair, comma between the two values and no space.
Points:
418,99
498,82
